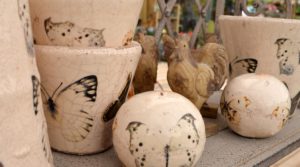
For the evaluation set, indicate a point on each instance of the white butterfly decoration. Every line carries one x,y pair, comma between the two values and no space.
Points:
71,107
181,147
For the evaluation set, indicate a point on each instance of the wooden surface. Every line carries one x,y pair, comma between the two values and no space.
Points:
291,160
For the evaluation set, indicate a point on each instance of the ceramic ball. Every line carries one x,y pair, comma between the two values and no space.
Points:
256,105
158,129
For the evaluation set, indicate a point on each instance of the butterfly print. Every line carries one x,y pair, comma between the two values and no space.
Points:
23,10
285,49
69,34
71,107
35,95
185,138
230,109
295,103
243,66
46,144
116,105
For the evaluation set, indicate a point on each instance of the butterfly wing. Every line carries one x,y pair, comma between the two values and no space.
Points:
35,95
74,104
112,110
185,137
143,147
248,65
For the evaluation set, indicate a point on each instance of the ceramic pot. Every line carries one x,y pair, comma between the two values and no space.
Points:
264,45
161,128
23,129
82,91
84,22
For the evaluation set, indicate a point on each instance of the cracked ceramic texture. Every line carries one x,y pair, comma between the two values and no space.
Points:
150,131
22,120
252,108
273,43
116,20
83,89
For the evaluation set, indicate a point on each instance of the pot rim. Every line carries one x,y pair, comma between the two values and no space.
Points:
257,19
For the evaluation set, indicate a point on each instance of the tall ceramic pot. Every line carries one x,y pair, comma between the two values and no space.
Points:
106,23
264,45
82,91
23,130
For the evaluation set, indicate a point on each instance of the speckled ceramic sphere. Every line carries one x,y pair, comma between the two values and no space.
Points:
158,129
256,105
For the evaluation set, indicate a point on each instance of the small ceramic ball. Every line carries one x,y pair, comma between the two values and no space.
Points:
256,105
158,129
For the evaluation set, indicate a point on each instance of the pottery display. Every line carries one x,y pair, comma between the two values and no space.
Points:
264,45
158,129
23,129
82,91
252,108
93,23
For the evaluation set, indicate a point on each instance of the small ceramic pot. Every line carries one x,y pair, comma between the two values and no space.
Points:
23,129
94,23
161,128
264,45
82,91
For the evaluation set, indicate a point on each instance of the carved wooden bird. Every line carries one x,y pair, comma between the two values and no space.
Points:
145,76
215,56
186,76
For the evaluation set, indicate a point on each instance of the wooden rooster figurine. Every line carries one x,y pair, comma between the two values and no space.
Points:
215,56
185,75
145,76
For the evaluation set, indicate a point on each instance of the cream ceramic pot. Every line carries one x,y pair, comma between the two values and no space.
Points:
23,129
256,105
82,91
264,45
158,129
109,23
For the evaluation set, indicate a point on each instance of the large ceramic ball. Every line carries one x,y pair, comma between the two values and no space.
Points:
256,105
158,129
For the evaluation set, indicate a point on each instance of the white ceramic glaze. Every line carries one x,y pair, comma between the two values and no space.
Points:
23,130
256,105
264,45
158,129
87,87
84,22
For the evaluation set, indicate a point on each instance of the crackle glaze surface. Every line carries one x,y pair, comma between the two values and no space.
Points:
158,129
264,45
23,130
256,105
82,91
93,23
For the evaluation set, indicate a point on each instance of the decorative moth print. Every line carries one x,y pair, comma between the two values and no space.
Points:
45,139
112,109
35,93
184,141
286,49
71,107
69,34
23,9
282,114
229,109
45,144
295,102
247,65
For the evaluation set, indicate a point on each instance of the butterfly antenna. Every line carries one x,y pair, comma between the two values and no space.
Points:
44,92
56,89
